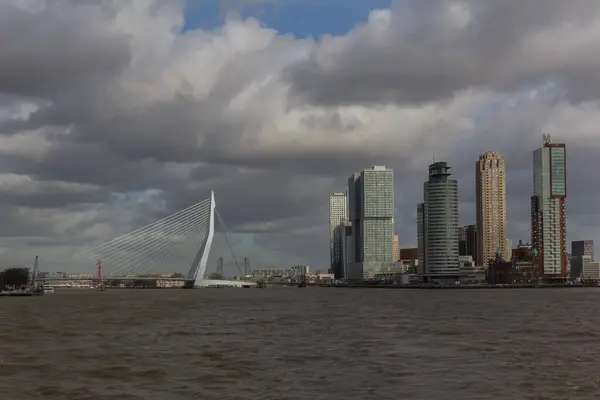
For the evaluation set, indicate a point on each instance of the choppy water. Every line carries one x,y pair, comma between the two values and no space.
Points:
290,343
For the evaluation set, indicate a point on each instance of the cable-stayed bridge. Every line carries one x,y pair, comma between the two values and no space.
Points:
178,244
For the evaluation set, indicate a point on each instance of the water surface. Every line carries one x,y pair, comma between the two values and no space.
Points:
312,343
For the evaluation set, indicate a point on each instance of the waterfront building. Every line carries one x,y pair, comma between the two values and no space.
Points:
590,269
440,216
501,272
579,249
490,197
548,209
338,216
371,211
371,214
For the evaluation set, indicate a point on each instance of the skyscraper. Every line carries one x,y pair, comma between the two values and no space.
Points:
396,248
338,216
371,211
490,187
548,209
440,216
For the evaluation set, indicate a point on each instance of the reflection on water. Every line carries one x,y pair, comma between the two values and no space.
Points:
313,343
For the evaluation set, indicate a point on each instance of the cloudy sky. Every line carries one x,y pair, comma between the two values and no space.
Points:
116,112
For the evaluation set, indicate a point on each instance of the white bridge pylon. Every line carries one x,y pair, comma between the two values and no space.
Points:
179,243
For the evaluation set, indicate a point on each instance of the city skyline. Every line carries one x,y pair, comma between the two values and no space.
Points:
440,239
107,129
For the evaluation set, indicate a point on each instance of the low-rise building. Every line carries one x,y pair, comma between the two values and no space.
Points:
372,270
590,269
500,272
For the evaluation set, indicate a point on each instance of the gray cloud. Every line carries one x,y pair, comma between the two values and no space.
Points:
110,119
58,46
427,51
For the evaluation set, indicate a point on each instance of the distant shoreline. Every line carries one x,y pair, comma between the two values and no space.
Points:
463,287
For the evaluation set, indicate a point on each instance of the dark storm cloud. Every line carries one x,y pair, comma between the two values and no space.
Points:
59,46
430,50
57,197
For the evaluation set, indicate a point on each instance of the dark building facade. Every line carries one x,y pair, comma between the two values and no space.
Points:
410,253
579,249
467,241
523,260
500,272
582,248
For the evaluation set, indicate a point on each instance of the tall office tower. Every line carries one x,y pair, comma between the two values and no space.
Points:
548,209
371,211
396,248
441,223
579,250
338,216
421,237
490,188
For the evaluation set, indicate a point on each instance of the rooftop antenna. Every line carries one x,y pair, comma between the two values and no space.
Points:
546,138
433,156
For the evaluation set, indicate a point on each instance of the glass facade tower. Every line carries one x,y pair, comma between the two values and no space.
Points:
440,213
371,211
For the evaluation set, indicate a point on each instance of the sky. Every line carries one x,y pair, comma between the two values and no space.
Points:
116,113
301,18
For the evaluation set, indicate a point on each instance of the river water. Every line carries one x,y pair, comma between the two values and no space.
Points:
312,343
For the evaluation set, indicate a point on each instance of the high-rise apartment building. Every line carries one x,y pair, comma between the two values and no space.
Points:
548,209
338,216
490,188
396,248
440,216
371,212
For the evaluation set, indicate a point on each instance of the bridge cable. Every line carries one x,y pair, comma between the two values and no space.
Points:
227,240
